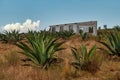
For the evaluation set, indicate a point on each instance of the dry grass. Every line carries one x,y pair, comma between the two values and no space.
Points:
11,58
94,65
11,66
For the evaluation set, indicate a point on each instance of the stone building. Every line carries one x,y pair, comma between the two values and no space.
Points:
90,27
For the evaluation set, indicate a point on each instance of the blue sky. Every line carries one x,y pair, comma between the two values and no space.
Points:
60,11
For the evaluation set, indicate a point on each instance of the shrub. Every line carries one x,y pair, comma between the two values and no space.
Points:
113,43
40,48
86,61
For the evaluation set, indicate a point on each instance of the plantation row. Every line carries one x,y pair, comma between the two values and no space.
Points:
41,47
14,36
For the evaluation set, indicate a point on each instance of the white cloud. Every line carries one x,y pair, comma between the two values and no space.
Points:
24,27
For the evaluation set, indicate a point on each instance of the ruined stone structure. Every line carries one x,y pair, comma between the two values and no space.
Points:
90,27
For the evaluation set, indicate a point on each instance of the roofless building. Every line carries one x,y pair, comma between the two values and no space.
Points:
90,27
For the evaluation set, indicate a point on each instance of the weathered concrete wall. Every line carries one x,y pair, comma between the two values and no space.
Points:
66,28
57,28
76,27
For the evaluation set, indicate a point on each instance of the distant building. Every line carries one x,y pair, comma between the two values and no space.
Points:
90,27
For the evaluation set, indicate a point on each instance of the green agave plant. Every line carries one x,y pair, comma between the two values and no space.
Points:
83,35
117,27
40,48
1,36
113,43
85,56
51,34
65,34
10,36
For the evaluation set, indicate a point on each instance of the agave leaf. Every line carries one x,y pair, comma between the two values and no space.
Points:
27,51
32,58
76,55
109,47
84,53
51,42
110,40
92,51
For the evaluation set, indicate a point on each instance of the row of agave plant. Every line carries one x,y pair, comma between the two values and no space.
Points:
10,36
41,47
14,36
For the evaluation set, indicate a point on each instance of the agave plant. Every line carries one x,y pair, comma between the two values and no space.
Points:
51,34
10,36
117,27
113,43
83,35
40,48
77,57
65,34
1,36
85,56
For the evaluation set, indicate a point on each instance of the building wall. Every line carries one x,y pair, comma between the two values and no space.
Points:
86,29
77,26
57,28
66,27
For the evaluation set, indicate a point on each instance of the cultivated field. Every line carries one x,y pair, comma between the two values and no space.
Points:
60,56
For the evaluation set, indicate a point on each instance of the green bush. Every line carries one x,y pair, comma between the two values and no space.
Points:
40,48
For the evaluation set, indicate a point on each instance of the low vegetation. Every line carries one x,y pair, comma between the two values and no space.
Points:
113,43
10,37
85,60
84,35
81,58
40,48
65,34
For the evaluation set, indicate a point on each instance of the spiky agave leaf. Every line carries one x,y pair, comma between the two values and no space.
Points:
84,53
76,55
91,51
